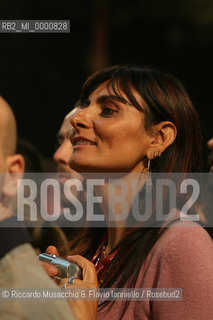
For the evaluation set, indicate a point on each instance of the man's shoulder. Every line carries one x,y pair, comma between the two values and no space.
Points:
20,269
24,268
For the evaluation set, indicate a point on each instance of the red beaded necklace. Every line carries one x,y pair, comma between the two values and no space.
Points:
102,261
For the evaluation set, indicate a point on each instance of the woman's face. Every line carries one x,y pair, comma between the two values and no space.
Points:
109,135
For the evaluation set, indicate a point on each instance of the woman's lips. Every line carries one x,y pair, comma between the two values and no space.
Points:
82,146
81,141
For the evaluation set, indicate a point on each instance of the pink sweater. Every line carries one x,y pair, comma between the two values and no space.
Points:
181,258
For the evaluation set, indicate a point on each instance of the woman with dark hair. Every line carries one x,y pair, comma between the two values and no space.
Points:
134,121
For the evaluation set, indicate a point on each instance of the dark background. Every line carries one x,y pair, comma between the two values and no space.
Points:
41,74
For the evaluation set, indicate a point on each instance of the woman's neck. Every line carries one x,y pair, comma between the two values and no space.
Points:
117,198
114,237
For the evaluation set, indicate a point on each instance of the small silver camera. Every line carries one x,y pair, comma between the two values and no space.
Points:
66,269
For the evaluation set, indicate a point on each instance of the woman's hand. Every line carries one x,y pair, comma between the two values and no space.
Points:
50,269
83,309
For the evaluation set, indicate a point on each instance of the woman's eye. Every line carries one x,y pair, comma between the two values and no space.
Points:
106,111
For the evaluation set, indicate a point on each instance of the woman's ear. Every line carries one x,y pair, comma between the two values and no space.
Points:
14,171
164,134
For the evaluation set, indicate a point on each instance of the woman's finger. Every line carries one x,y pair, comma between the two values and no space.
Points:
77,283
51,270
89,272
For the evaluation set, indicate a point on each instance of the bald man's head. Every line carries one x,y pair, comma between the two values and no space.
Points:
11,164
8,130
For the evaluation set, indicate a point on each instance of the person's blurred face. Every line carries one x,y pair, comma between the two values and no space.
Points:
210,158
109,135
62,155
64,151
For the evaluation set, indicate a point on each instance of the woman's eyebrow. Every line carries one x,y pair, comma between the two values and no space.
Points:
60,137
84,102
106,97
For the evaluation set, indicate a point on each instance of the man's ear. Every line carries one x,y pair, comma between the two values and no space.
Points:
15,163
14,171
164,135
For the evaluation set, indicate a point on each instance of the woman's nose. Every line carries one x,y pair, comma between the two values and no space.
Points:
81,119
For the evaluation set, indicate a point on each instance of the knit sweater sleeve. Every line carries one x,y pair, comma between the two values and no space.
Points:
185,261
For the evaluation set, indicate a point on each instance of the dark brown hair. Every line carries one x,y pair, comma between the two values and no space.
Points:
163,99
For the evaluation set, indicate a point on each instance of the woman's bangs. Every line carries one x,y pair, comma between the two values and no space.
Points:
124,90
